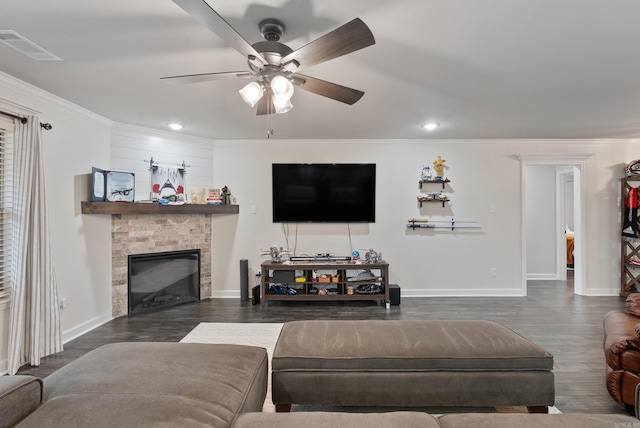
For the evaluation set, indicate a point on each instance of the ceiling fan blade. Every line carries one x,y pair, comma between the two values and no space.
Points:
265,106
348,38
327,89
200,10
205,77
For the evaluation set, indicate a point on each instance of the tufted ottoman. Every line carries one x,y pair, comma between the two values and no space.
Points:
409,364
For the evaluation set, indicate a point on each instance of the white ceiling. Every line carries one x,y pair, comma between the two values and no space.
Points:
481,68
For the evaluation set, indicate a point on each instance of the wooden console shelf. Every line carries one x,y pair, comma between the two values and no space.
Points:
338,285
153,208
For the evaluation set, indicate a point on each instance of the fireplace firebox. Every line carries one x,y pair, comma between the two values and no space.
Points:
159,280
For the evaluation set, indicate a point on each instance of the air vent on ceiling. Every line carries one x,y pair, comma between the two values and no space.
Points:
26,46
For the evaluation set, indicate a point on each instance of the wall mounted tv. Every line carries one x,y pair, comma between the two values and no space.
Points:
324,193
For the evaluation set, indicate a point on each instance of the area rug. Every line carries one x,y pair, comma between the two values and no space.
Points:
265,335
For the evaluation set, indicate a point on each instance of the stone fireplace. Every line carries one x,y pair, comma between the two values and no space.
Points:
155,233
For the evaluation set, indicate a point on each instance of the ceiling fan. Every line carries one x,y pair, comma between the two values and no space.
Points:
273,66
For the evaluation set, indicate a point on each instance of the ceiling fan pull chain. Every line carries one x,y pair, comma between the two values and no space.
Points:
269,119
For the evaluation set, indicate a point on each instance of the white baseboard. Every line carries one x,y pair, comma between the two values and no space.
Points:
75,332
603,292
225,294
462,293
542,277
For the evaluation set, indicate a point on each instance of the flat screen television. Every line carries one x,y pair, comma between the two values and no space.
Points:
324,193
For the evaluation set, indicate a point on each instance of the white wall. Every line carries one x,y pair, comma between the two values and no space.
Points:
423,262
81,244
540,217
131,146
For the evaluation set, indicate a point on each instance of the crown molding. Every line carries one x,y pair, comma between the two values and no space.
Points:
24,88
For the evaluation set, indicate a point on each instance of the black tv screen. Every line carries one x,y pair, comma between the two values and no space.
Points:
324,193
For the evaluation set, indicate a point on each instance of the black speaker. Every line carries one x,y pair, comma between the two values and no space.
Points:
255,295
244,280
394,294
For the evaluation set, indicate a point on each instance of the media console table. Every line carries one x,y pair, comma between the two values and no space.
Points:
331,276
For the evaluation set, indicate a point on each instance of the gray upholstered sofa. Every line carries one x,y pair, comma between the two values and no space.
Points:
184,385
142,384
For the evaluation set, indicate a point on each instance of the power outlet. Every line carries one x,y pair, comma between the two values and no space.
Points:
64,303
493,272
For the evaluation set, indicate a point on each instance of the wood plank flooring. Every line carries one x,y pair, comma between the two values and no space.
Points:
566,325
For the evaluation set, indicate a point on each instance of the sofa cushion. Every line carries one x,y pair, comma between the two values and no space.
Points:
19,396
215,382
127,411
405,345
633,304
336,419
510,420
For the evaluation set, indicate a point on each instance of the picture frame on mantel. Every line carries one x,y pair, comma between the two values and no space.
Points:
112,186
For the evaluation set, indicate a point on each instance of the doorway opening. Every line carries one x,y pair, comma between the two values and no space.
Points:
564,165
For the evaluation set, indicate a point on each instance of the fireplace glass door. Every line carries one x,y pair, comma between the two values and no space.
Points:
159,280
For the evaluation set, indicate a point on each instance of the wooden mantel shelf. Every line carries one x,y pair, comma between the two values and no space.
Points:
153,208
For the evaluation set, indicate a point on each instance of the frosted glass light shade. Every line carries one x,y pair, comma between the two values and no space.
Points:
281,87
252,93
282,105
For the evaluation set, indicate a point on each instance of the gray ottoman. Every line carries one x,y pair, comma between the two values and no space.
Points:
409,364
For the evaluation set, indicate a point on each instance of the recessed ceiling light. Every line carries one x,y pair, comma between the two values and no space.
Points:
175,126
430,126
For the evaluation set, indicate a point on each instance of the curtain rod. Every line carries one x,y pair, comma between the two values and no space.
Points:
23,119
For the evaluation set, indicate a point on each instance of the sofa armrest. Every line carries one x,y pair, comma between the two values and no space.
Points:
620,339
19,397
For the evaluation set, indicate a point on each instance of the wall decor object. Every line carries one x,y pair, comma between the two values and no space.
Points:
168,183
112,186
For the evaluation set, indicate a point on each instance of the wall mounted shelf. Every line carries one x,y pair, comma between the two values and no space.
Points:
154,208
442,224
443,182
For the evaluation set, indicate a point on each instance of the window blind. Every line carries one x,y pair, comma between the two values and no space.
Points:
6,172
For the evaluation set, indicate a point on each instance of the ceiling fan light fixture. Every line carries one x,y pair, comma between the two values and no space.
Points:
282,88
252,93
281,105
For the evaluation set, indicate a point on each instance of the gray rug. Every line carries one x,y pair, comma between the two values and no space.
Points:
266,334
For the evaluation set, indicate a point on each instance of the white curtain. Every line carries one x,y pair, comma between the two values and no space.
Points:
34,326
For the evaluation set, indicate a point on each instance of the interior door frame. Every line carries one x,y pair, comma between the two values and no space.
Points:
578,162
561,214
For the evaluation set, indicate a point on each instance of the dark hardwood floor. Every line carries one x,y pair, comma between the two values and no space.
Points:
566,325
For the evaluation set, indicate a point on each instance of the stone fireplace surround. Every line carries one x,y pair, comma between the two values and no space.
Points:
151,233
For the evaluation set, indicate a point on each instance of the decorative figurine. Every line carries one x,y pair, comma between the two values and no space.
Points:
439,166
226,196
